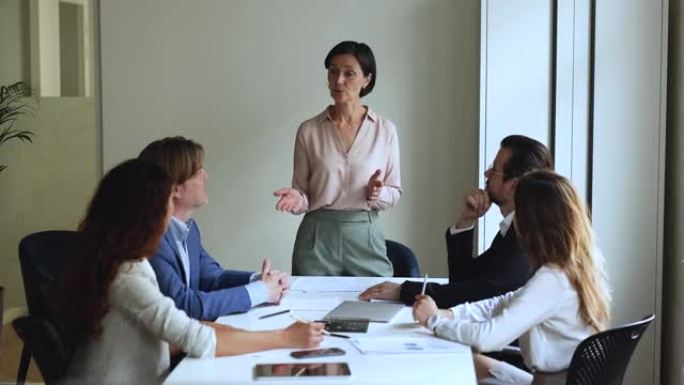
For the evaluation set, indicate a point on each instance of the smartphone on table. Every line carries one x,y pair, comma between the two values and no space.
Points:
326,352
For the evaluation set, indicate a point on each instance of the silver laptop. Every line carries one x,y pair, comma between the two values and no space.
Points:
361,310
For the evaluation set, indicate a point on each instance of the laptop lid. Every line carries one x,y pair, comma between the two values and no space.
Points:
361,310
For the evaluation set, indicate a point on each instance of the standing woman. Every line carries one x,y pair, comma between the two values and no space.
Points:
111,306
346,169
564,302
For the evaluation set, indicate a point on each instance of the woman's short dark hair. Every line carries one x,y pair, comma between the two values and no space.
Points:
363,54
527,155
124,222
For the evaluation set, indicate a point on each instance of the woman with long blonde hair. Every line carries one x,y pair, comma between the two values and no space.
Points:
564,302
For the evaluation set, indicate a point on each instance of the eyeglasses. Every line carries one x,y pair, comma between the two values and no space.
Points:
490,170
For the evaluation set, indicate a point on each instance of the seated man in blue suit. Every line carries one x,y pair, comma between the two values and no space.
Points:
504,266
185,271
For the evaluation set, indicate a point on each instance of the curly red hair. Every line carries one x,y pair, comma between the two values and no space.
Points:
124,222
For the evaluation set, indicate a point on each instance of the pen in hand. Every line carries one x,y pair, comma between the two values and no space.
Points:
325,332
422,292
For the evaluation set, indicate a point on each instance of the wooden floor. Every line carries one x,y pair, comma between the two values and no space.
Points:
10,353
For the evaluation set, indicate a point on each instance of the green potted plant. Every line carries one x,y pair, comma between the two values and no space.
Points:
13,105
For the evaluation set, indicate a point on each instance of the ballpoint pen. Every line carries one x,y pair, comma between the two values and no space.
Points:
327,333
300,372
422,292
274,314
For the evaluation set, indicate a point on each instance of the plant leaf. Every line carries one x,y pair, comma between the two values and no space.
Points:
15,91
23,136
13,107
11,115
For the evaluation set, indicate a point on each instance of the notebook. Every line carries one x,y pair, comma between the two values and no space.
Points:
361,310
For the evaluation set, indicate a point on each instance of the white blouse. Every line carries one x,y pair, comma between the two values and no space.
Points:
543,314
134,345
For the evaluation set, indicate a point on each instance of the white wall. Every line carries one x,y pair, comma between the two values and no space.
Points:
515,78
628,164
45,63
622,170
239,76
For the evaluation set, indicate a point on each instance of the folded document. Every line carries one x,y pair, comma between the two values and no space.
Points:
408,345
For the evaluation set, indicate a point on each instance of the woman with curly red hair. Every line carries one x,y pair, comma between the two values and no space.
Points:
111,307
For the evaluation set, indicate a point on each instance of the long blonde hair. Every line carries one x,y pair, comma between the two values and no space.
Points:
553,227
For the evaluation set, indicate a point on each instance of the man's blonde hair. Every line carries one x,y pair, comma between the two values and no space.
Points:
181,158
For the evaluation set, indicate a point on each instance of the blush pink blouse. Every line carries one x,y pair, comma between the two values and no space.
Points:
330,178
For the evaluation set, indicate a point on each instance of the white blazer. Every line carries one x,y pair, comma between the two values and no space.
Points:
134,345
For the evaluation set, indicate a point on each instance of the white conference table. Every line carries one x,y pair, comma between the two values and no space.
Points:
310,299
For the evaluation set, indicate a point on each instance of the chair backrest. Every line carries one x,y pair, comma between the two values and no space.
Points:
44,256
602,359
47,346
403,260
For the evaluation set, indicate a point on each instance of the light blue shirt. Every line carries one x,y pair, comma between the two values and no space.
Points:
256,289
179,232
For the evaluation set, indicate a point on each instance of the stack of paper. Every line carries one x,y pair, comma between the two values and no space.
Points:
332,284
408,345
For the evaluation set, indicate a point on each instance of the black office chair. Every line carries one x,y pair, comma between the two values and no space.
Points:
602,359
47,345
43,257
403,260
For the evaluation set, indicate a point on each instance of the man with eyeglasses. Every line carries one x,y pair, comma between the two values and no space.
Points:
503,267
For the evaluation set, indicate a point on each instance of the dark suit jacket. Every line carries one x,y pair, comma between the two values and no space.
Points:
500,269
213,291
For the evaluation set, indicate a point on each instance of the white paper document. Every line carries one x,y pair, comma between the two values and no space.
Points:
407,345
333,284
322,304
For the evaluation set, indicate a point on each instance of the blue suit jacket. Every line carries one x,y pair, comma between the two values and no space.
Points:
213,291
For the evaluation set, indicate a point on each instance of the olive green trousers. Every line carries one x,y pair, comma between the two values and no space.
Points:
341,243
